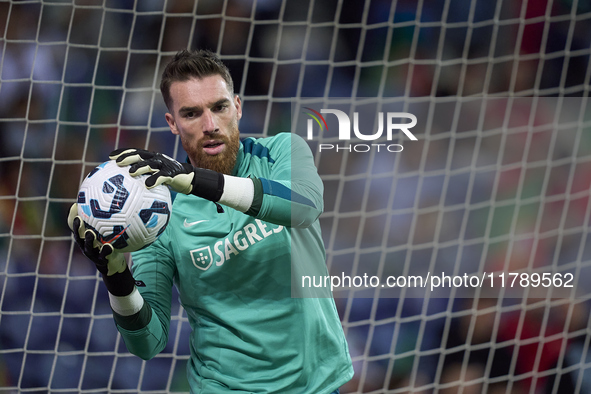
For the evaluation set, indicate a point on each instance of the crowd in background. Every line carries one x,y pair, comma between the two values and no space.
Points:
79,79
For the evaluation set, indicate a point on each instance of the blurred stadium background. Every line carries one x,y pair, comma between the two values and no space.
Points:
80,78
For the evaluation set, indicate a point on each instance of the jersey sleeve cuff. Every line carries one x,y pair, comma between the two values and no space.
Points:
257,200
135,322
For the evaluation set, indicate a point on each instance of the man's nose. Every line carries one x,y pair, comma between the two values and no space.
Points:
209,125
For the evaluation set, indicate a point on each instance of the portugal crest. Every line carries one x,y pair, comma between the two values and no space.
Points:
202,258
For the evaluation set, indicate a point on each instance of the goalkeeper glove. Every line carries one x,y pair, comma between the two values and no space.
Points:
109,262
181,177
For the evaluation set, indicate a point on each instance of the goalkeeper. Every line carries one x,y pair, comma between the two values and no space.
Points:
241,215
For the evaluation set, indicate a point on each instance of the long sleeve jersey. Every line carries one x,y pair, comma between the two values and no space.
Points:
252,332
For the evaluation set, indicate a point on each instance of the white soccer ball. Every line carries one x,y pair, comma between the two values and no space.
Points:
121,209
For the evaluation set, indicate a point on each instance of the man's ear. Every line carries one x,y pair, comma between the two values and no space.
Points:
171,123
238,105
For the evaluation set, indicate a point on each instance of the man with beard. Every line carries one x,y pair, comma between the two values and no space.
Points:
242,214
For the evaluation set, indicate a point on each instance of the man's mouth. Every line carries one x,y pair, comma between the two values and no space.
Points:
213,147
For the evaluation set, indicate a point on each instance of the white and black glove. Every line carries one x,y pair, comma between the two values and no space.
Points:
108,261
180,177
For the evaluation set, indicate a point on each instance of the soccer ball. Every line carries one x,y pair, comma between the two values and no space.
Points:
121,209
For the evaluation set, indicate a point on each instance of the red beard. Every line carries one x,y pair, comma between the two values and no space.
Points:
223,162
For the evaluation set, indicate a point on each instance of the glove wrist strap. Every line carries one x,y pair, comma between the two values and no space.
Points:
208,184
120,284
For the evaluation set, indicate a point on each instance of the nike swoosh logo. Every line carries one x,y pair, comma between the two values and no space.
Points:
187,224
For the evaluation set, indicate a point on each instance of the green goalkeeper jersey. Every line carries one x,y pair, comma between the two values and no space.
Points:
252,331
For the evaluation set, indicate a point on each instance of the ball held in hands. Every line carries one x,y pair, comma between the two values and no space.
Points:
119,208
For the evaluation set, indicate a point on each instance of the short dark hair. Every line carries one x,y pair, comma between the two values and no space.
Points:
187,64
